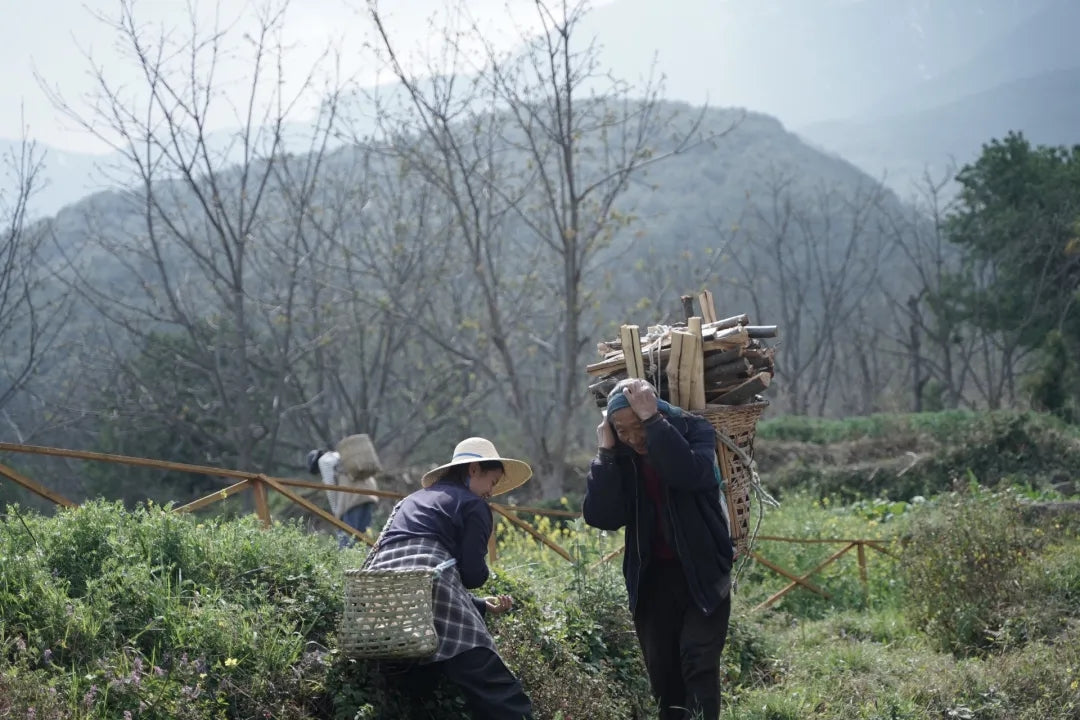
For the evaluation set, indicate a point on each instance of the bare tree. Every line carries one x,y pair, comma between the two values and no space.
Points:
933,345
950,361
532,159
809,260
377,244
31,310
205,217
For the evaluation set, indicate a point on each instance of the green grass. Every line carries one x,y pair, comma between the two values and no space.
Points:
975,613
900,457
951,424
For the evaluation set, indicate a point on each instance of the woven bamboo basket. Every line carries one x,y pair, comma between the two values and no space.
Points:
739,423
358,456
388,615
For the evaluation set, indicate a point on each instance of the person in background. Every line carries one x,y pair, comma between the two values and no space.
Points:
449,518
654,474
353,465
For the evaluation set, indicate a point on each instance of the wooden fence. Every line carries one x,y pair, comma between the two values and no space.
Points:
260,485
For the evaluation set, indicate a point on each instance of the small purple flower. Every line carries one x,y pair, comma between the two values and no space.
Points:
91,694
47,656
127,715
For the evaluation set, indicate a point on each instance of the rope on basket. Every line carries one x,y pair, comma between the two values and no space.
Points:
762,495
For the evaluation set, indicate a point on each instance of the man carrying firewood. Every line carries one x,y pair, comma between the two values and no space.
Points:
655,475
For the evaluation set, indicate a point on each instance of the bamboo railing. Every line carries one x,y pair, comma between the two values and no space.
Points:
260,484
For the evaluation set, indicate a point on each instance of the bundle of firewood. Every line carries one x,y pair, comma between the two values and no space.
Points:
702,362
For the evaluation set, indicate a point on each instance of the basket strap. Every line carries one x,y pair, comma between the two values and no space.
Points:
444,565
379,541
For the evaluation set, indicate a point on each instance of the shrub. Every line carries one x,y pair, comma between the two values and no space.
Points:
962,568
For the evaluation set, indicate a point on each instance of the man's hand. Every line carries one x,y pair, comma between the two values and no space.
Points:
642,399
498,604
605,436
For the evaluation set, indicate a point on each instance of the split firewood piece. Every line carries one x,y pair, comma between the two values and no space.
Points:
739,367
673,368
602,387
747,390
686,365
635,365
697,372
720,357
727,339
708,308
762,359
726,323
605,367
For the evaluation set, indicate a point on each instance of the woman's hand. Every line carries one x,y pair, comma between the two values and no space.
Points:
498,604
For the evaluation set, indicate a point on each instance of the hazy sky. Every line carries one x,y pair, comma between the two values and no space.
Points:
53,38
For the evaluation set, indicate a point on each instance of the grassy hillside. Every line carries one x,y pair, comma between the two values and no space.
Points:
973,613
902,456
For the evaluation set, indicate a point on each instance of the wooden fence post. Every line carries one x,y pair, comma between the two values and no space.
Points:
262,508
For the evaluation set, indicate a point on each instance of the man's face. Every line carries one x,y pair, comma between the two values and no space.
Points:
628,429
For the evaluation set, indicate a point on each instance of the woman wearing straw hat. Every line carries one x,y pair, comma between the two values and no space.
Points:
655,474
450,519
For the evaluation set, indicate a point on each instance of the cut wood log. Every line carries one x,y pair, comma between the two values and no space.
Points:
605,367
688,307
761,331
739,367
747,390
727,322
673,365
685,369
631,342
697,376
708,308
719,357
727,339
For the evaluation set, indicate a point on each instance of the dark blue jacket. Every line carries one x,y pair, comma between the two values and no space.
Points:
455,516
682,449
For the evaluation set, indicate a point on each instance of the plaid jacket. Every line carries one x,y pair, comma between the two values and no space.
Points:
458,619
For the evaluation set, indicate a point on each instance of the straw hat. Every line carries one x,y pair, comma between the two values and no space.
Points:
478,449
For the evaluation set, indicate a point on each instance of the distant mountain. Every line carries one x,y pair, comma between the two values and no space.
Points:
892,85
1043,42
902,147
799,60
1027,78
65,177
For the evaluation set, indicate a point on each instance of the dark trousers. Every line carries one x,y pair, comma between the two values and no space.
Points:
359,517
491,690
681,644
